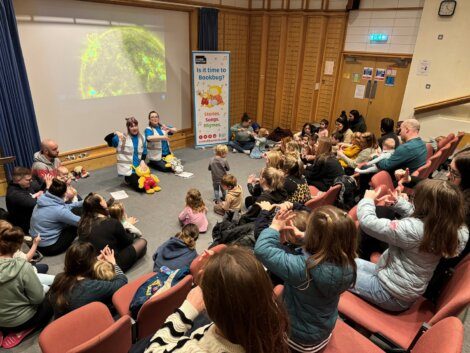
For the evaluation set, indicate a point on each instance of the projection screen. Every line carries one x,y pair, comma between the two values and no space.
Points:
92,65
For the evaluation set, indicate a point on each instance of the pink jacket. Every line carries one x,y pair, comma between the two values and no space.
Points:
198,218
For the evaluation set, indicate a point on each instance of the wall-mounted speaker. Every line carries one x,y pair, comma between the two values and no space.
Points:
353,5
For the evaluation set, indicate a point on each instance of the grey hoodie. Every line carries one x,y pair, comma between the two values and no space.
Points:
42,165
21,292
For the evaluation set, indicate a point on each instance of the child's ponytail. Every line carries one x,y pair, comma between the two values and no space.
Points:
189,234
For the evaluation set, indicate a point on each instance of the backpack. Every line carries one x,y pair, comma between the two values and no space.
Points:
3,214
347,193
161,281
278,134
227,232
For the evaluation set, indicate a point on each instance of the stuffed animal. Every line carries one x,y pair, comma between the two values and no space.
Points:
174,163
80,172
147,181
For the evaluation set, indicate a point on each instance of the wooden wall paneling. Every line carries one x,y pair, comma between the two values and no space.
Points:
272,63
262,70
303,34
310,69
253,69
221,29
235,39
332,52
280,71
293,50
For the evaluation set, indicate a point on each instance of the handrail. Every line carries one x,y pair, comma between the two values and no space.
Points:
442,104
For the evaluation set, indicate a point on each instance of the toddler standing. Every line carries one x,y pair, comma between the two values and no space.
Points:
195,211
218,167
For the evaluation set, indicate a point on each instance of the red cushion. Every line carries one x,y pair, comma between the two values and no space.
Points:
401,328
347,340
123,297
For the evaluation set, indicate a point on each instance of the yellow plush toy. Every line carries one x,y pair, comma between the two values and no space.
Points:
147,181
168,160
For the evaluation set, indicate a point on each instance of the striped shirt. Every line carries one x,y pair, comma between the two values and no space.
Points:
170,338
302,348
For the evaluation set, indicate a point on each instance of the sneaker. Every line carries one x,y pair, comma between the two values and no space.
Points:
234,150
15,338
246,151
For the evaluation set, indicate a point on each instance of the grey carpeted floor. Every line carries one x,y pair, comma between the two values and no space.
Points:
158,213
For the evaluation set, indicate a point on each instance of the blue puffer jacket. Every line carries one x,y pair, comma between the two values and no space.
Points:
312,306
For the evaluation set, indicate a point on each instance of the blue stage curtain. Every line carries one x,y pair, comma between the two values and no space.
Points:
19,134
208,29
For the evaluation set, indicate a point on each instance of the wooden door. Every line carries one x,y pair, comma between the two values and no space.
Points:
350,78
382,97
386,101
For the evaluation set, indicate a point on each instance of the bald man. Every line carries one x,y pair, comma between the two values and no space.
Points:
411,153
46,161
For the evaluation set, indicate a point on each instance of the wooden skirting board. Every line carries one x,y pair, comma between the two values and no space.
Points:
102,156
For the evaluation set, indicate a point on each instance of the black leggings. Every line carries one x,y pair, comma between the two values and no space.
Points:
128,256
42,317
66,238
133,181
160,166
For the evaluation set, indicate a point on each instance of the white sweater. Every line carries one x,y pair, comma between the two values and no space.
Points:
203,340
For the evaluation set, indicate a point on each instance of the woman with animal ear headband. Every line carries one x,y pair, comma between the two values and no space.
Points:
131,149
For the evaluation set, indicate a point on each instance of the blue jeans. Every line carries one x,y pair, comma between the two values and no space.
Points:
369,288
242,146
217,191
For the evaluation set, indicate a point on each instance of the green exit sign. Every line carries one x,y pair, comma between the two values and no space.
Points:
378,38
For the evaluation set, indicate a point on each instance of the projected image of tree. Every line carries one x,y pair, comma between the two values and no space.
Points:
121,61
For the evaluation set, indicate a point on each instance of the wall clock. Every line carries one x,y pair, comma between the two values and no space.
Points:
447,8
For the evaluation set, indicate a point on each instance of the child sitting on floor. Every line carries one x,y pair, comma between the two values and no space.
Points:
218,167
233,200
178,251
260,145
323,131
117,211
371,166
195,211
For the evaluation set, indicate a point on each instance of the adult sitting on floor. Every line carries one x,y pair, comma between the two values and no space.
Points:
243,141
23,307
77,285
158,146
98,228
54,220
46,160
131,151
22,194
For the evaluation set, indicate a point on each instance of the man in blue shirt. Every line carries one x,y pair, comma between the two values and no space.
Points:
411,153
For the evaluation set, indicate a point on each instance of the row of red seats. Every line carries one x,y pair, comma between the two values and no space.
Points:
91,328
